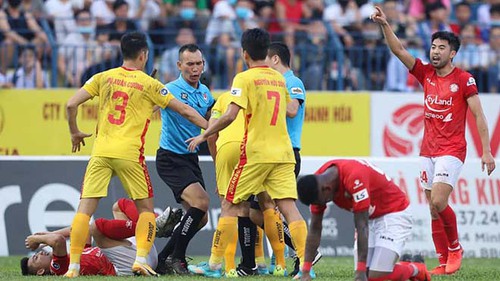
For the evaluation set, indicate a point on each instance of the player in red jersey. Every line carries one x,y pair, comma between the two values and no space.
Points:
116,249
448,93
381,216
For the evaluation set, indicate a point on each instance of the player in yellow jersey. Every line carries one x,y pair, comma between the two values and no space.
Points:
127,96
266,157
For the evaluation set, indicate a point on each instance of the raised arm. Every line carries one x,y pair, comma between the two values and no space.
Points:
56,241
482,127
361,224
392,40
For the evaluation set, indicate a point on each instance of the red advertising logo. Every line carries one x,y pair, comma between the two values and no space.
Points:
403,134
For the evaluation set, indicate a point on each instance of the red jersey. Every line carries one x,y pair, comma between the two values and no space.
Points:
92,262
445,110
364,187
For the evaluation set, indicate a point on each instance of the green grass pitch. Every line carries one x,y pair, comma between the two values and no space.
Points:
327,269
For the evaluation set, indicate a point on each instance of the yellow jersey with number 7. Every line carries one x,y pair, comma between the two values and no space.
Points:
261,92
126,101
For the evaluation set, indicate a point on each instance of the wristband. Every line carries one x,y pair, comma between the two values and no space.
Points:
306,267
361,266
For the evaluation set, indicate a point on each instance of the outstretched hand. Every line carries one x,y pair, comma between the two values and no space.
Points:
31,243
378,16
77,139
194,142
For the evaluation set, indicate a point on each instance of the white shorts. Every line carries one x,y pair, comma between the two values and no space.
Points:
388,231
123,257
442,169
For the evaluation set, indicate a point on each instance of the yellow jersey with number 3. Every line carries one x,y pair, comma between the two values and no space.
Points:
126,101
261,92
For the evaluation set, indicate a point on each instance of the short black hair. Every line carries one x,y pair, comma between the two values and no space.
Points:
281,50
118,3
463,3
256,42
495,9
429,8
190,48
308,189
132,44
24,266
452,39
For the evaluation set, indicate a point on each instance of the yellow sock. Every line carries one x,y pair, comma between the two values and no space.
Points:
298,231
226,228
259,247
231,252
145,233
78,235
274,231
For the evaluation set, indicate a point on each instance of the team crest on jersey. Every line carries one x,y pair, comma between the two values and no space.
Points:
56,266
297,91
236,92
164,92
184,96
453,88
471,81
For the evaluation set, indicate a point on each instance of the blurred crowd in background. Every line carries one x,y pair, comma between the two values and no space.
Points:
335,45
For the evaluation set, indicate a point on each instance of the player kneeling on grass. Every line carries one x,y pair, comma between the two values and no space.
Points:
116,245
381,216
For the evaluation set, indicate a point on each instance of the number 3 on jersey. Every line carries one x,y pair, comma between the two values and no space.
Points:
120,107
270,96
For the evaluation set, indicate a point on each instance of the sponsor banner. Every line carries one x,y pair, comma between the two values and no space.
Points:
42,193
33,122
336,124
475,200
397,124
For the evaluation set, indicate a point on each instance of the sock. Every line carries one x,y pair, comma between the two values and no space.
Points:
78,235
400,272
230,252
450,227
169,248
288,236
116,229
440,240
145,233
247,231
226,228
274,231
188,228
298,230
259,247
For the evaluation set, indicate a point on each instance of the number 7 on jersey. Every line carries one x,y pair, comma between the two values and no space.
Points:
274,95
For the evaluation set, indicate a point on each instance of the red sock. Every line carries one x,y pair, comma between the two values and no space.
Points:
116,229
128,207
401,272
440,240
450,227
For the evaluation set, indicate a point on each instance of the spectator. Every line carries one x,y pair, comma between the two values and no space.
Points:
186,16
79,50
463,15
483,13
35,7
345,19
397,78
265,12
169,70
201,6
418,8
494,60
288,17
121,23
61,14
102,11
29,73
144,11
472,56
396,18
312,54
436,20
19,29
4,83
